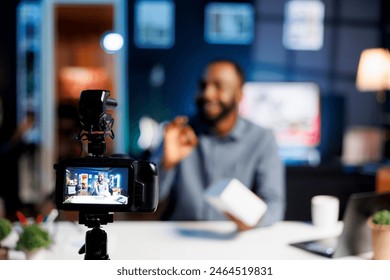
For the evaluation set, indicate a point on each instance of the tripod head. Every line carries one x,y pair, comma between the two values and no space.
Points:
95,246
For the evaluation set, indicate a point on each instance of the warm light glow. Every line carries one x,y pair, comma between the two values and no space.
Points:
74,79
374,70
112,42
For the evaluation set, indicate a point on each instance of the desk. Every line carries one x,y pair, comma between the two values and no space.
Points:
155,240
100,199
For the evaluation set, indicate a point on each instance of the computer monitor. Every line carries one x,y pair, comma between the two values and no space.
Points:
292,111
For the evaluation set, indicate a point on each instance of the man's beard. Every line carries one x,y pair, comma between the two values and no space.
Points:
213,120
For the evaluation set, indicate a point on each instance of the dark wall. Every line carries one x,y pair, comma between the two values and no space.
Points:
350,27
8,153
305,182
8,67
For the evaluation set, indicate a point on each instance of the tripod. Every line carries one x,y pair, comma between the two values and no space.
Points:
95,247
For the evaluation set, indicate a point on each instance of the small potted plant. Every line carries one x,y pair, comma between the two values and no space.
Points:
379,223
33,238
5,230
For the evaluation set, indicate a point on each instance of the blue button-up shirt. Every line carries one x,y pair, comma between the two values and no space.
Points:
249,153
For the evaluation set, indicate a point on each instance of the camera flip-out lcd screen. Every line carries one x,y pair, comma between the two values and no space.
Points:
96,185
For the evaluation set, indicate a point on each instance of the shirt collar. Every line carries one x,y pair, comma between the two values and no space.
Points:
236,133
238,129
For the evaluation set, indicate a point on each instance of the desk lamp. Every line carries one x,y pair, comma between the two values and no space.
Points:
374,75
374,72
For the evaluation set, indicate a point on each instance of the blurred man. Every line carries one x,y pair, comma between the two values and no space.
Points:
217,144
101,186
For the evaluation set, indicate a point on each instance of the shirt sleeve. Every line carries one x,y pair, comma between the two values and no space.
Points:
166,177
270,180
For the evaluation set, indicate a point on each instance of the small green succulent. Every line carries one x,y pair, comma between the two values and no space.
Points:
5,228
33,237
381,217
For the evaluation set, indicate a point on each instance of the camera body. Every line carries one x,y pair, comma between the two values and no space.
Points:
131,185
98,183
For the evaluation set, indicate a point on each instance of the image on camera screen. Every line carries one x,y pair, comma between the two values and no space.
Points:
96,185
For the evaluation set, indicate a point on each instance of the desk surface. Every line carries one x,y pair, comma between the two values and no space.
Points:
152,240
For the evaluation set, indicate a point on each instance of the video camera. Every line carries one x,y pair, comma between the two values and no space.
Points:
128,185
96,185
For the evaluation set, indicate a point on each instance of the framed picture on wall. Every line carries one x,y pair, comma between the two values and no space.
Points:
229,23
303,27
154,25
292,111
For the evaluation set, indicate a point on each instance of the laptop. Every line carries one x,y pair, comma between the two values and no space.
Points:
355,237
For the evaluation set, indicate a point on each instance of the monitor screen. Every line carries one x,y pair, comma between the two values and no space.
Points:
292,111
96,185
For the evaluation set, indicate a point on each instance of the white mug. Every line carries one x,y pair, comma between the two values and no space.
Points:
325,211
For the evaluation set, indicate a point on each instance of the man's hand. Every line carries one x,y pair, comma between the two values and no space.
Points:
179,141
240,225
